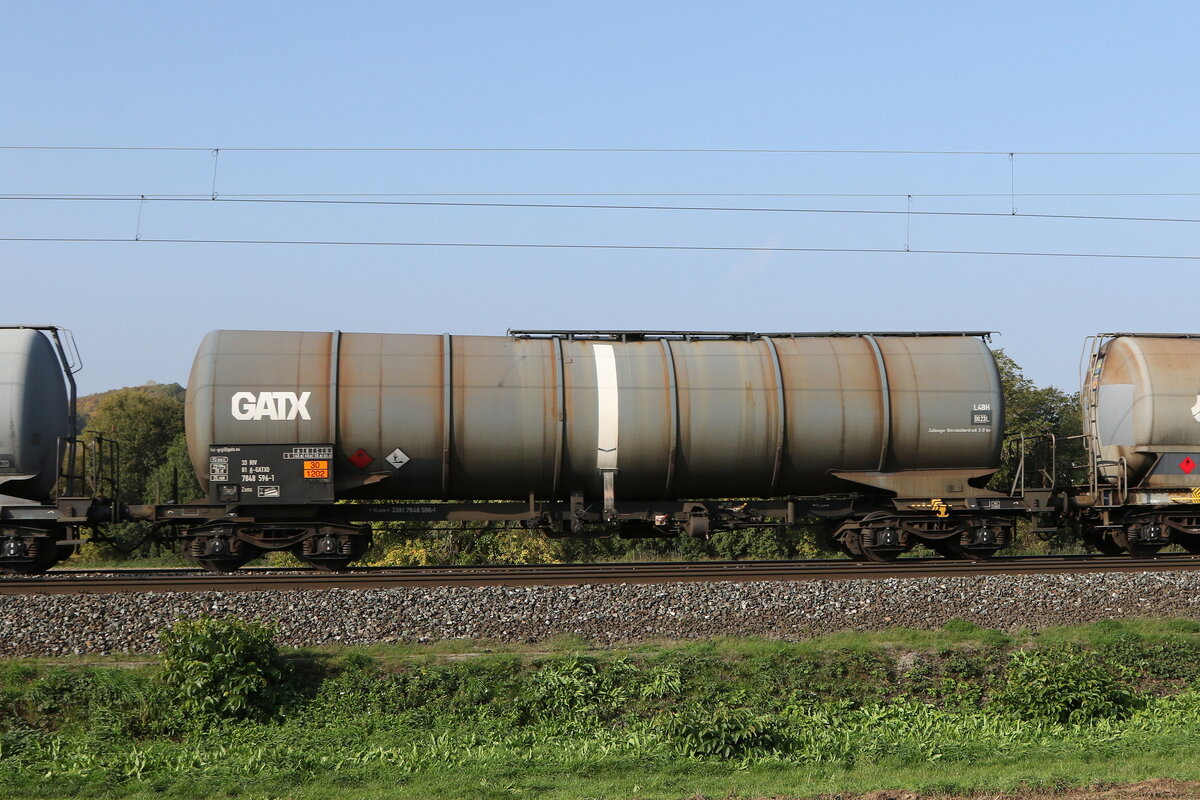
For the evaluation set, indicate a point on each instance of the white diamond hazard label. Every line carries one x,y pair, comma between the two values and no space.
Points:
397,458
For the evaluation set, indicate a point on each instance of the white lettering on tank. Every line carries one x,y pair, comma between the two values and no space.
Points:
240,409
300,406
248,406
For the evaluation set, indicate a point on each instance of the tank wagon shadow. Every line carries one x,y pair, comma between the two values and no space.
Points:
893,439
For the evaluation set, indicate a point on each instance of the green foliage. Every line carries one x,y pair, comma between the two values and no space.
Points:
721,732
961,629
361,663
1065,685
1183,625
1035,412
174,473
223,669
146,421
406,544
413,723
579,689
1153,658
807,540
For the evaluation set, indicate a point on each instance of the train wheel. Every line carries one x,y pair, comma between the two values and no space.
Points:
1134,546
328,564
969,552
28,567
219,564
873,551
875,554
40,554
1143,550
228,563
1102,542
943,548
851,546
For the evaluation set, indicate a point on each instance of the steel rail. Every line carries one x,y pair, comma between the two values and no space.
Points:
264,579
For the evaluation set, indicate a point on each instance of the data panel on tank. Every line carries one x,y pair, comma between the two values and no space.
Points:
270,474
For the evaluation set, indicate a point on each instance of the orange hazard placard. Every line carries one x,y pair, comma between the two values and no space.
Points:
316,469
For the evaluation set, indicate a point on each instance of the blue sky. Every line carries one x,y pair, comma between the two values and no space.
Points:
958,76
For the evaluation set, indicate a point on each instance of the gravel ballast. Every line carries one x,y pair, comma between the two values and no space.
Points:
59,624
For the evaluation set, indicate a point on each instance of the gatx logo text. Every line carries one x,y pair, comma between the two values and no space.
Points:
270,405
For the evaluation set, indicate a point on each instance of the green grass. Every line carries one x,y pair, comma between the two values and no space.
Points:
624,780
934,711
296,761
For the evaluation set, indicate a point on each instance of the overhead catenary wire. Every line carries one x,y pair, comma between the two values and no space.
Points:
189,195
503,149
589,206
566,246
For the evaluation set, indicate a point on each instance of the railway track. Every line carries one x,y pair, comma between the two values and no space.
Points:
260,579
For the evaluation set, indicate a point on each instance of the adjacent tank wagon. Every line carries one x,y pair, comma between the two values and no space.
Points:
1141,411
42,495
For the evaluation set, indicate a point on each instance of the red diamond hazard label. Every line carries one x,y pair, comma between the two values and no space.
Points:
361,458
1187,465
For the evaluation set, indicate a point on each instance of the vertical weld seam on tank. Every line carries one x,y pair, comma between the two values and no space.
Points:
560,399
781,416
447,418
211,433
673,389
885,394
335,351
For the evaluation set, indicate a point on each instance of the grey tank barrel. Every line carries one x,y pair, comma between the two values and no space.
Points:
1142,403
676,416
35,414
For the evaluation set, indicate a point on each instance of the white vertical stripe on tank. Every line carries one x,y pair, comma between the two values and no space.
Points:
608,412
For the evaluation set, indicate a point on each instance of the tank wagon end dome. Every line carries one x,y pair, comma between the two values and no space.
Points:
34,413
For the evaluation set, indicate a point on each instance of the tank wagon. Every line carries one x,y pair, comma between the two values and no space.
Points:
1141,413
890,436
42,466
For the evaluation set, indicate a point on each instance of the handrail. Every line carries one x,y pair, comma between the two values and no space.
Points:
1019,475
638,335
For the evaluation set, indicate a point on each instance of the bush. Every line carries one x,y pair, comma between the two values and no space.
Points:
721,732
223,669
1066,685
579,691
